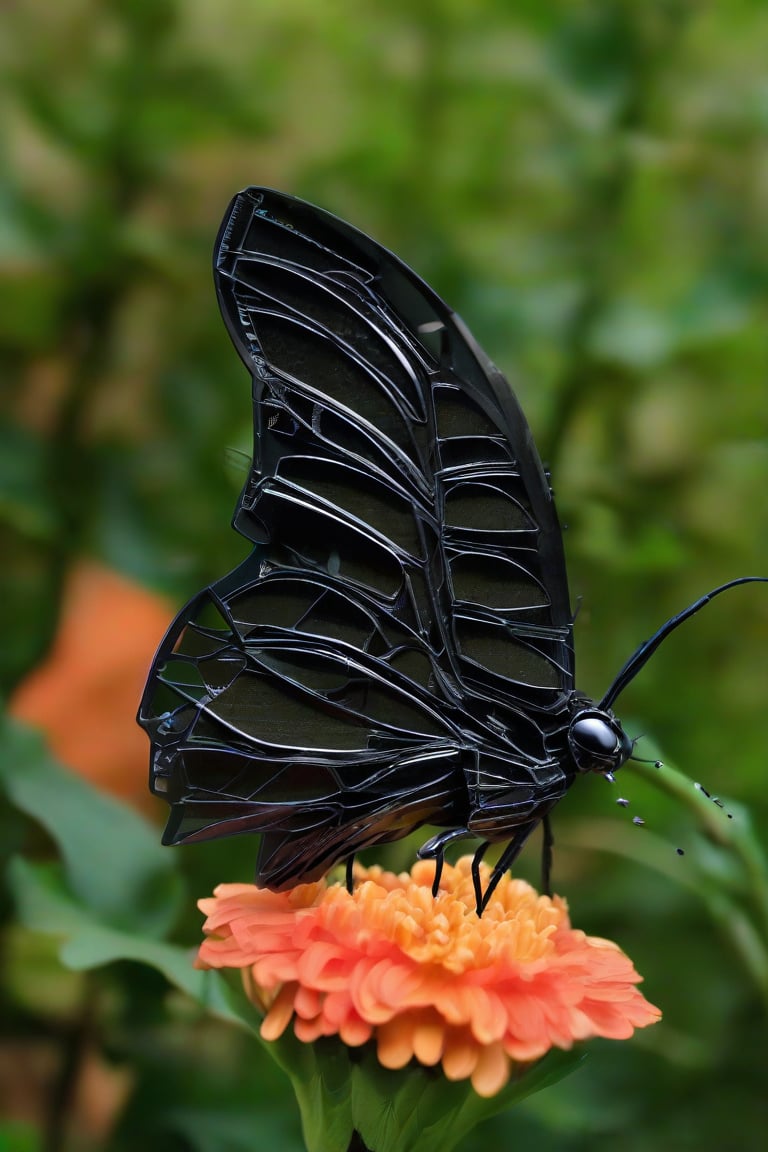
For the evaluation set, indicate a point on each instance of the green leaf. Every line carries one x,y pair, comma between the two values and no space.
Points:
414,1109
45,905
417,1110
114,861
16,1136
231,1131
321,1077
24,502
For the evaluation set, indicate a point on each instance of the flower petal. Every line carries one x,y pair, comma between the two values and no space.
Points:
461,1055
395,1043
428,1038
277,1019
491,1071
425,976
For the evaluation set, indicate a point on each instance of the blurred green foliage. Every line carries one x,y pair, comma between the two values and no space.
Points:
585,181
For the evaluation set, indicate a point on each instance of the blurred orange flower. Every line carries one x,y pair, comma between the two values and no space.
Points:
425,976
84,695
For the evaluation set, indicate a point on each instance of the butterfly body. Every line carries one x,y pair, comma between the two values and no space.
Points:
397,650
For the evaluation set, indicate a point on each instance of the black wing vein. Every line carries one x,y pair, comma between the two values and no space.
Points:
397,650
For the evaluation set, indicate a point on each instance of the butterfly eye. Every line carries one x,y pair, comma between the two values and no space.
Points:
598,742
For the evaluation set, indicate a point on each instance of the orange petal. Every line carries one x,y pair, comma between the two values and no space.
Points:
277,1019
307,1002
395,1043
378,989
423,976
355,1031
324,963
491,1071
461,1054
428,1039
308,1031
85,693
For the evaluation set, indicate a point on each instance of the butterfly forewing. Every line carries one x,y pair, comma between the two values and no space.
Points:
397,649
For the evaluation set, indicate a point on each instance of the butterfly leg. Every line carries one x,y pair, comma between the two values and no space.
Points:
476,859
434,849
505,861
350,879
439,861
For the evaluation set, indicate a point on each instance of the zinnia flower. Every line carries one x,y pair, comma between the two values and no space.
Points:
84,693
424,976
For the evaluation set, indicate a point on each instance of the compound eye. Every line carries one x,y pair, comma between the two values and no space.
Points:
595,735
598,743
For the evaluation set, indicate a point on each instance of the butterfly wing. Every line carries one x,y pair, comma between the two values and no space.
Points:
397,649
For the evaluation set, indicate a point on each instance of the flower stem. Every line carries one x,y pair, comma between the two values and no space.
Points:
735,835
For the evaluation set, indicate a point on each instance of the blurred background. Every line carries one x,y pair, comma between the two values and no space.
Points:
586,182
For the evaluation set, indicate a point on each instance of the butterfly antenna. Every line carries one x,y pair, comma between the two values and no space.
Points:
639,658
715,799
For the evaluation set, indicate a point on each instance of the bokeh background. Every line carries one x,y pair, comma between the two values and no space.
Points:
586,181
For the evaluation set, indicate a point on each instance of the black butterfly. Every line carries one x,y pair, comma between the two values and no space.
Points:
397,650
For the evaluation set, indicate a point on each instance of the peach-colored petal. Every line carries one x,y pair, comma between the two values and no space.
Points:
378,989
488,1019
491,1071
307,1002
310,1030
277,1019
395,1043
428,1039
355,1031
323,964
461,1055
425,976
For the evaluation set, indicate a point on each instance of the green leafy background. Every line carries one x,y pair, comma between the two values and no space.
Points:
586,181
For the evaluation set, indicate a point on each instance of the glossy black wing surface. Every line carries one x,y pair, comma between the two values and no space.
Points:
397,650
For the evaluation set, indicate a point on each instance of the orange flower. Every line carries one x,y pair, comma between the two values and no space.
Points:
425,977
85,693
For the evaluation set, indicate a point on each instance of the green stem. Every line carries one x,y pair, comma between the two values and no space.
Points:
734,924
734,834
75,1050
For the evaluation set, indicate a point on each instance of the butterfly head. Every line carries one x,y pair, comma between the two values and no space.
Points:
597,741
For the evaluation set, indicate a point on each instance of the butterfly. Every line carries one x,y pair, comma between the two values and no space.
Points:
397,649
